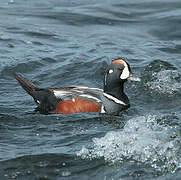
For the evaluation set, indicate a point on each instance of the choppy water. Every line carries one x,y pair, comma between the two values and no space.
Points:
59,43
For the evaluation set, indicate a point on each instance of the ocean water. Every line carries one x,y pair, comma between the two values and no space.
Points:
57,43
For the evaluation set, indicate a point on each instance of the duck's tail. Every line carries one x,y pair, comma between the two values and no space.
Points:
28,86
43,97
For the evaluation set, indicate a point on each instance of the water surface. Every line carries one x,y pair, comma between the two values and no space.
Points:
60,43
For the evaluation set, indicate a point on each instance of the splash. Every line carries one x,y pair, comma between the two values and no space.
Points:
161,78
141,140
165,82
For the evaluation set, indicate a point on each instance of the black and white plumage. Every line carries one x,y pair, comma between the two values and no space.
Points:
75,99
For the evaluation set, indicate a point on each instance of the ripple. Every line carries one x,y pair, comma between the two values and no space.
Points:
21,67
46,166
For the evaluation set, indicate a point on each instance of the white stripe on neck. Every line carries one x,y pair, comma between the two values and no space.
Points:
114,99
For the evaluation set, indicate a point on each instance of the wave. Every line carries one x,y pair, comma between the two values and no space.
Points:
146,139
161,78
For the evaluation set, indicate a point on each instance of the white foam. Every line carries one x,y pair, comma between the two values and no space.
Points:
143,140
165,82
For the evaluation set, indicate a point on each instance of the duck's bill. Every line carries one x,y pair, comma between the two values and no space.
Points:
133,78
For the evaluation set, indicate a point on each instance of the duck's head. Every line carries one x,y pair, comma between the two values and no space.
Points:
117,73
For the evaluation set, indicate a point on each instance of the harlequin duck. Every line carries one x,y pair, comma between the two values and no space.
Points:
78,99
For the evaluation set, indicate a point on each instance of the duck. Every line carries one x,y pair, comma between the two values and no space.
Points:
79,99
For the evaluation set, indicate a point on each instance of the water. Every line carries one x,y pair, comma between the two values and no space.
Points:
60,43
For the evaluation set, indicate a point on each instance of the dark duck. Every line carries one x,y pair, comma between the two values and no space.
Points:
78,99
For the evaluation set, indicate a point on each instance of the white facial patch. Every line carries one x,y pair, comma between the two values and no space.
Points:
110,71
125,73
